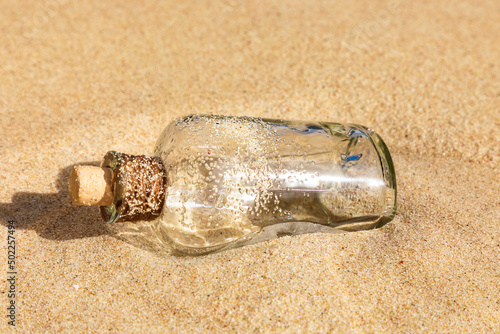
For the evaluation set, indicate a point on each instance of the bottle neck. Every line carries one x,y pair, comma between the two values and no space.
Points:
138,187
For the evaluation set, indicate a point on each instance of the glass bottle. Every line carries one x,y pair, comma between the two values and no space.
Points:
218,182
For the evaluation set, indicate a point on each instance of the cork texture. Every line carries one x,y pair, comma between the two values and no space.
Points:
80,78
91,185
139,187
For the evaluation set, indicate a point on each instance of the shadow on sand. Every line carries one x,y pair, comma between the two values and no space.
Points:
53,216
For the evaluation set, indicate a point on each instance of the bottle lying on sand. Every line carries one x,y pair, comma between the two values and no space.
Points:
218,182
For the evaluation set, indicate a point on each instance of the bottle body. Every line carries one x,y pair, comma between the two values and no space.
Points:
231,179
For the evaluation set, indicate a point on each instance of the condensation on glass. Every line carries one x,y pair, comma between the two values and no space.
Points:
232,181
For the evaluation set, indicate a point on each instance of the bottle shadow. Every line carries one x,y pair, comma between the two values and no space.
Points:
53,216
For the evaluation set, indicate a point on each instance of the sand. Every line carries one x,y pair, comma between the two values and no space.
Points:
80,78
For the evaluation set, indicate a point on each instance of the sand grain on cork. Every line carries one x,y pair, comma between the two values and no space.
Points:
81,78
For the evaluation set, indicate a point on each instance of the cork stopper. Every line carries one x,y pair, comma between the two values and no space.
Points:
139,187
91,185
126,187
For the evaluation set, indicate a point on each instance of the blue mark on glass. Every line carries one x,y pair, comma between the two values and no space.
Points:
349,161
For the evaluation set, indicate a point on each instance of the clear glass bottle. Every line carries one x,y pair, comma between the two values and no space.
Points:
223,181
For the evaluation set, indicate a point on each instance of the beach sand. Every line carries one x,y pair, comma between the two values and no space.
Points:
78,79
